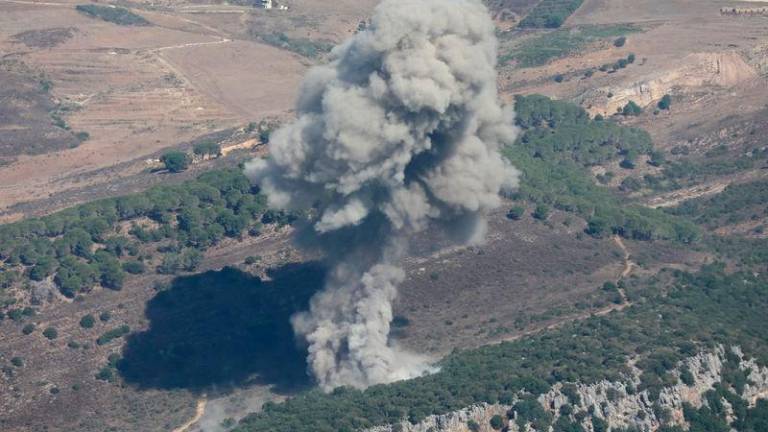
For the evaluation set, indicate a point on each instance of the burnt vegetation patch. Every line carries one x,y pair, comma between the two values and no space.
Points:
223,328
45,38
29,114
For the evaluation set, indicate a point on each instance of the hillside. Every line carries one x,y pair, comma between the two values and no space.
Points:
621,286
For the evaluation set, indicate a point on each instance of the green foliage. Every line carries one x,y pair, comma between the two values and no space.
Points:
112,274
175,161
50,333
686,376
207,148
620,41
657,158
541,212
134,267
17,361
737,203
79,247
706,308
516,212
599,425
665,102
757,417
174,263
550,13
680,173
87,321
497,422
28,329
302,46
565,424
540,49
704,419
557,144
113,14
106,374
529,410
473,426
105,316
631,109
113,334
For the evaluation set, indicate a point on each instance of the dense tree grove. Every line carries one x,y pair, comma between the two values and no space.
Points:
99,242
550,13
737,203
558,143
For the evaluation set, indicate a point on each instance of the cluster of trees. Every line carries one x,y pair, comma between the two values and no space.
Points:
618,64
302,46
699,311
83,246
550,13
558,143
114,14
175,161
737,203
684,172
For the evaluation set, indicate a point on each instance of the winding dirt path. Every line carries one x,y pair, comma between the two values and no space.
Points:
199,411
629,265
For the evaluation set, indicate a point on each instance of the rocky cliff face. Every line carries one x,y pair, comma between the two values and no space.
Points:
614,402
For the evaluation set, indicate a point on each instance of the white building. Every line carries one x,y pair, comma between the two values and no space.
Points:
269,4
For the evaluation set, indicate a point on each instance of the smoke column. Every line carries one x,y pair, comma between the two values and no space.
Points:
399,131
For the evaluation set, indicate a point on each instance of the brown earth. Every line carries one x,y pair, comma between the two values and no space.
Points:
136,90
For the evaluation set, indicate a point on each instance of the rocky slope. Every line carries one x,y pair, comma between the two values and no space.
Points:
614,402
697,70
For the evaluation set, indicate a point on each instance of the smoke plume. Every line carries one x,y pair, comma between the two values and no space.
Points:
400,130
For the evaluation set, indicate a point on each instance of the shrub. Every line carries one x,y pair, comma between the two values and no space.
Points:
105,316
620,41
50,333
665,102
28,329
686,376
541,212
175,161
87,321
656,158
113,334
105,374
497,422
599,425
17,361
559,78
207,148
516,212
473,426
134,267
631,184
631,109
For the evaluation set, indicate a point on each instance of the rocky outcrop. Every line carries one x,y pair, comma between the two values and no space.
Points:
724,69
615,402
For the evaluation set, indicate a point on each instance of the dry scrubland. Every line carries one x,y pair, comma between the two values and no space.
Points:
203,68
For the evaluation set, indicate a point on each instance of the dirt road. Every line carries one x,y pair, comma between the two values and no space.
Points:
199,412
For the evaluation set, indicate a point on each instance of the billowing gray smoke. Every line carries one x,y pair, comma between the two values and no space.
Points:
399,131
